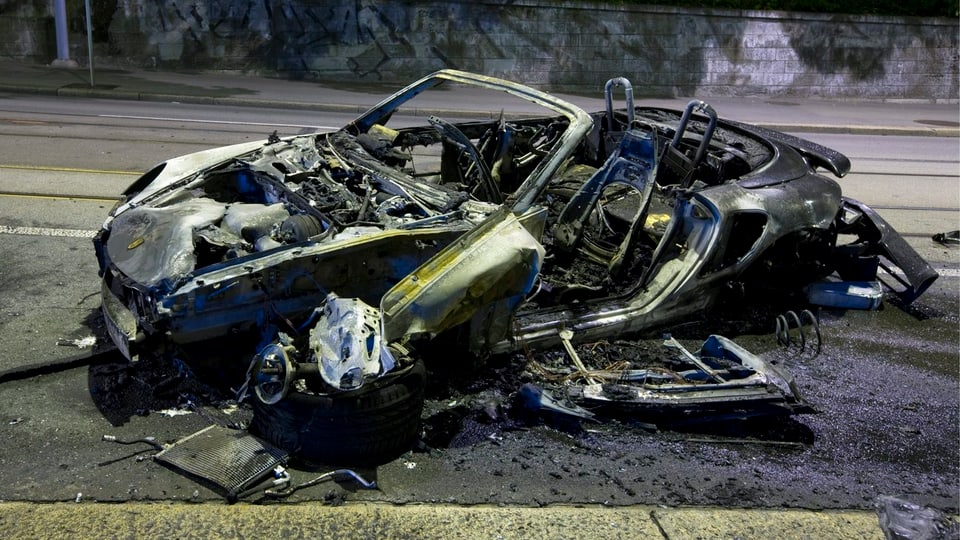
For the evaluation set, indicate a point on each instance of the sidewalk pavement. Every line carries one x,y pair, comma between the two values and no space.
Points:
142,519
775,112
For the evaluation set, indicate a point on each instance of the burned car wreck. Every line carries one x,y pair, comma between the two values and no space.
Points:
339,258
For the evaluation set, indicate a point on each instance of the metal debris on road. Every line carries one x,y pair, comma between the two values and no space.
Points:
951,238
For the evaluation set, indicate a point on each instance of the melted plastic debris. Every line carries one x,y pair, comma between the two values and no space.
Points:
81,343
174,412
903,520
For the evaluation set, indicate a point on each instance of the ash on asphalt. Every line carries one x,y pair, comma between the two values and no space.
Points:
888,424
885,386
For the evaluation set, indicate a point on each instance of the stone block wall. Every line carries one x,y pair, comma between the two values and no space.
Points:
560,45
26,30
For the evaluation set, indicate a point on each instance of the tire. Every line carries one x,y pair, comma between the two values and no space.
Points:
368,427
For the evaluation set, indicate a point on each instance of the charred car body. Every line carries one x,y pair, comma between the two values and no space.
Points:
345,251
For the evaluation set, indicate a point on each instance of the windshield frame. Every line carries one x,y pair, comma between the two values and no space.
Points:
580,123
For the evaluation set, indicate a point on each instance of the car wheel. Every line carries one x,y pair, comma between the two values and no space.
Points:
369,426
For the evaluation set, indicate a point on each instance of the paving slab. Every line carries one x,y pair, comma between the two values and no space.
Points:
709,523
361,521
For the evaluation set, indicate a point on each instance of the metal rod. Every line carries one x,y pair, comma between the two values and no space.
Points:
565,337
673,343
89,41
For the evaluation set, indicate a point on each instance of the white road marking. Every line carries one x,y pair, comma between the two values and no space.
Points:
227,122
44,231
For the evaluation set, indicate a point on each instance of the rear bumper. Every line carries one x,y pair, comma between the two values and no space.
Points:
908,268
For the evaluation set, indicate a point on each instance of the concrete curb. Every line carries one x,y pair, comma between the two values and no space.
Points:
450,113
376,520
36,91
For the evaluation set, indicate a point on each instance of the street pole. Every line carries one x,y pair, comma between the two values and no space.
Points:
89,41
60,25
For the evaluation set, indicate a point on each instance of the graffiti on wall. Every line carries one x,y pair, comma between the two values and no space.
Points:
666,51
840,48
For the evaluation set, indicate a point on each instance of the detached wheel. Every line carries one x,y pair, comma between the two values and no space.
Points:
370,426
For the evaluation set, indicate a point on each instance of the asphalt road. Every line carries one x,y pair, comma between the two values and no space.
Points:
886,383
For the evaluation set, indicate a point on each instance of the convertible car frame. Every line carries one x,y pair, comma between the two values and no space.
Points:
342,256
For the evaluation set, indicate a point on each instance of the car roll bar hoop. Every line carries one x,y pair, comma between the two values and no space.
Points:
628,96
